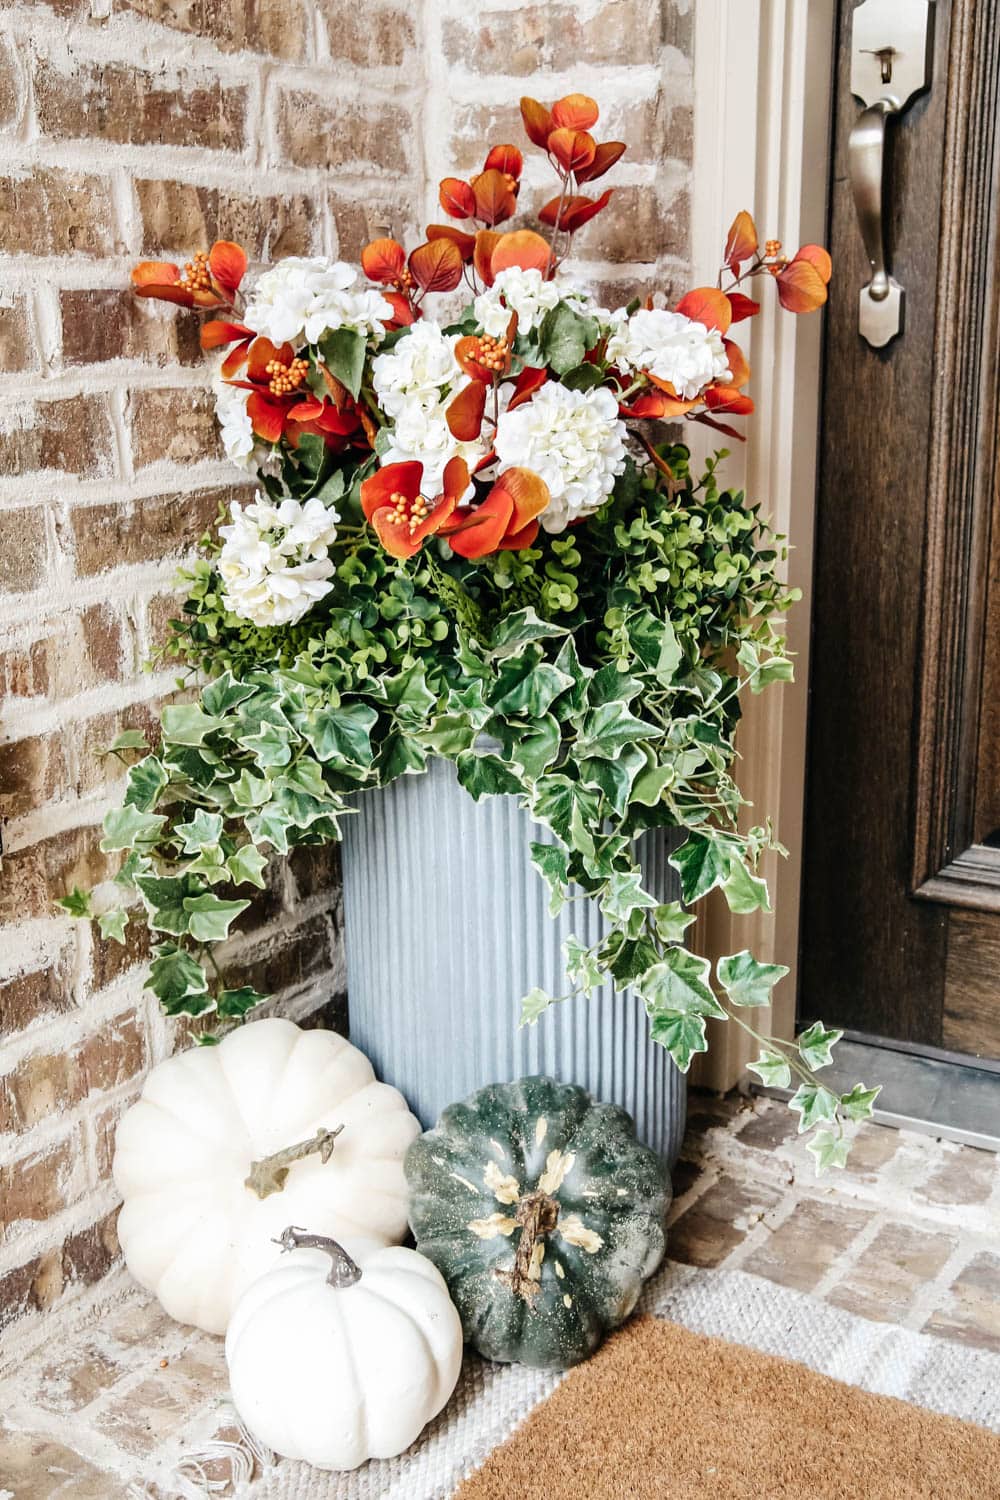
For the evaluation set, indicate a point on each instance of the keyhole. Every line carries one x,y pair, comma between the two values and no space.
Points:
885,56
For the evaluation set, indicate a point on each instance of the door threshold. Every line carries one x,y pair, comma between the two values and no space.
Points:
952,1100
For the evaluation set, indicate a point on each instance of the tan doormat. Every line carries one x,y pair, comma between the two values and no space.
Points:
661,1413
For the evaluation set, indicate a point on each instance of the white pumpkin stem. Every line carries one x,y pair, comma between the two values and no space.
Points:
537,1214
343,1273
270,1174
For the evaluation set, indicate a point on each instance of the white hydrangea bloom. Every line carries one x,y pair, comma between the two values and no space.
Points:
671,347
420,431
274,560
300,299
574,440
235,428
421,364
529,295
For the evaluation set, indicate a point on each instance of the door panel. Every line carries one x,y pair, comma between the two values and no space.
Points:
902,759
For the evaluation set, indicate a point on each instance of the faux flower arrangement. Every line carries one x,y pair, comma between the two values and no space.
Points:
472,540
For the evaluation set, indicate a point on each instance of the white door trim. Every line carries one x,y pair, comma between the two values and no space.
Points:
763,75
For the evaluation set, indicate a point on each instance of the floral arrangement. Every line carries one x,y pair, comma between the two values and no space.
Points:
475,538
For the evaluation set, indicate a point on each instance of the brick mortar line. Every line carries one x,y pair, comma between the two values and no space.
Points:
844,1263
108,698
933,1295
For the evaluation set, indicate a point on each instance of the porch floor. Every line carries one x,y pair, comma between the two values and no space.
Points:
908,1234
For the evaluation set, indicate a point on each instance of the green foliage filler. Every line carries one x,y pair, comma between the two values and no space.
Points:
603,666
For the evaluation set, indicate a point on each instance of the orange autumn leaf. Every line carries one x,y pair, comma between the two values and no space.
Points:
818,257
741,241
494,198
801,287
457,198
436,266
530,380
739,368
383,260
228,263
507,159
403,311
605,156
465,242
723,398
575,212
537,121
216,332
465,414
573,149
482,255
742,307
523,248
574,112
507,518
708,306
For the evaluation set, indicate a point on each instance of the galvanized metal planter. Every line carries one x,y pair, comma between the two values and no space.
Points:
447,926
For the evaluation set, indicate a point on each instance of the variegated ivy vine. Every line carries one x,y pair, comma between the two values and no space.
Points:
595,676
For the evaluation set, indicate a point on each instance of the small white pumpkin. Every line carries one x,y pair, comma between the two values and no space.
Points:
228,1144
336,1365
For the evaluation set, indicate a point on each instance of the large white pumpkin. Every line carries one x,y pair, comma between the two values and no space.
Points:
336,1364
191,1228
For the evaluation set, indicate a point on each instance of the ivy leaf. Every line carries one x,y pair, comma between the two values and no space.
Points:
188,724
569,809
536,746
626,959
655,643
113,924
612,777
672,922
701,864
129,739
271,745
812,1102
178,982
520,628
527,685
650,784
746,981
535,1004
623,895
582,967
776,669
77,903
235,1003
407,692
744,892
223,694
343,351
815,1045
270,826
204,829
679,984
247,864
829,1150
210,918
134,864
772,1069
859,1103
552,863
164,897
250,791
124,827
342,733
682,1034
485,775
144,783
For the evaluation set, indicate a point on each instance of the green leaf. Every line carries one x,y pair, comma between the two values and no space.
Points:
829,1150
682,1034
485,775
223,694
113,924
572,811
235,1003
701,863
134,864
565,336
650,784
271,746
815,1045
407,692
772,1069
144,783
627,959
744,892
210,918
250,791
527,685
343,733
612,777
164,897
536,746
746,981
672,922
859,1103
520,628
124,827
533,1005
129,739
270,826
343,351
585,377
188,724
623,895
77,903
813,1103
178,982
204,829
680,984
247,865
607,729
552,863
582,968
777,669
655,643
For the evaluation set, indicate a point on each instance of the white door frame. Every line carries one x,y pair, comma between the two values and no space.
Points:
763,75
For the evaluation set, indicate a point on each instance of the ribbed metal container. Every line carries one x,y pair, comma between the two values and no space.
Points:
447,926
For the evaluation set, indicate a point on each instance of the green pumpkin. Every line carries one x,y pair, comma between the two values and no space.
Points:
544,1215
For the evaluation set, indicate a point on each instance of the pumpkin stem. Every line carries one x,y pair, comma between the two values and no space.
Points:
343,1273
270,1174
537,1214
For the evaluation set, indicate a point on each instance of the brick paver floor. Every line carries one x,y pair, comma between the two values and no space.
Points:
908,1234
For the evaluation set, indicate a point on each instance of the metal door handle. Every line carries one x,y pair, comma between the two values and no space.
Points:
891,51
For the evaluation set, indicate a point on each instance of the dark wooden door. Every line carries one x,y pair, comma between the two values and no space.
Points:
901,898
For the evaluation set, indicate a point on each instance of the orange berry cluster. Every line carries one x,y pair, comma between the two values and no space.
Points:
492,353
286,378
404,282
197,277
771,247
406,510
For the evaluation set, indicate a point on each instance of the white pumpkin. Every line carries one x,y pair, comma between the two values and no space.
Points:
339,1365
192,1228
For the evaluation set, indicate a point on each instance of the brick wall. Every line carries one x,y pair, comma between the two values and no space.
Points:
130,127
